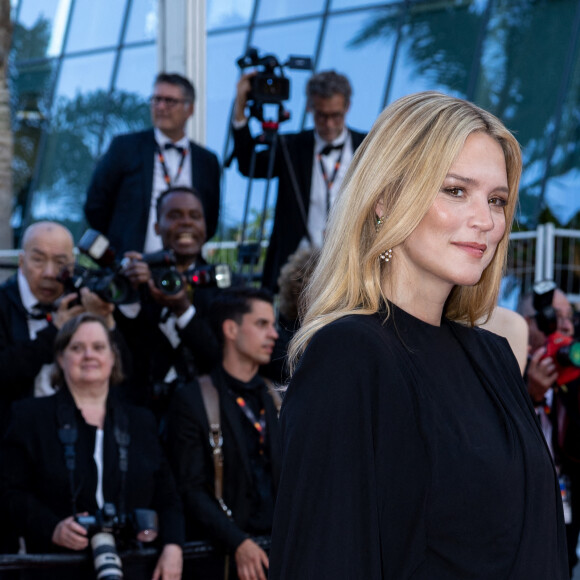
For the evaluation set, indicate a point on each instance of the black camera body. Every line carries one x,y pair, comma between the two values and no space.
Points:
563,349
269,85
167,278
105,526
163,271
107,281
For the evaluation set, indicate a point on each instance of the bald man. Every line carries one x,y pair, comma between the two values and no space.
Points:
32,309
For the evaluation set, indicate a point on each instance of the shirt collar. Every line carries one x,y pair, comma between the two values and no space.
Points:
162,139
29,301
320,143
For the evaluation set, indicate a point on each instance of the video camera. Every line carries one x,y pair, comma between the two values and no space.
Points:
170,281
563,349
105,525
107,281
270,85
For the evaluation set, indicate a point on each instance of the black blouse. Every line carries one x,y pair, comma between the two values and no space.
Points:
412,451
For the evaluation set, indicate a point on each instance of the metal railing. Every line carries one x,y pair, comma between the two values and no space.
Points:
192,551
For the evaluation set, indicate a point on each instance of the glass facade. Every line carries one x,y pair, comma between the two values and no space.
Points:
81,72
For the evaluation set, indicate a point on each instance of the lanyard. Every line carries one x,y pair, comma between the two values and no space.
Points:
329,181
258,424
161,158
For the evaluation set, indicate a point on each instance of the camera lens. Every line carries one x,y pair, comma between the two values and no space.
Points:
106,560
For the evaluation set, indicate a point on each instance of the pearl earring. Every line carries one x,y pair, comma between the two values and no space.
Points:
386,255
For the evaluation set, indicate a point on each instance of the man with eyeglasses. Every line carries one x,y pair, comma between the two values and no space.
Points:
137,167
318,159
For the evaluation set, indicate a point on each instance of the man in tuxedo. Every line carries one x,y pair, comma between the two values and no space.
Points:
137,167
310,175
243,418
33,308
170,331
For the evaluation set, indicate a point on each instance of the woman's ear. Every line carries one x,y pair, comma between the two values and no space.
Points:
380,208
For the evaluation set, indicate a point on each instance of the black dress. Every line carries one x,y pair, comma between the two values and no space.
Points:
412,451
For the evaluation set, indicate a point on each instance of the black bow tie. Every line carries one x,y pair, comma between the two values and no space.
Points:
178,148
328,148
41,311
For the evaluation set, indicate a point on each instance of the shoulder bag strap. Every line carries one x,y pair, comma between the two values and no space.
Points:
211,402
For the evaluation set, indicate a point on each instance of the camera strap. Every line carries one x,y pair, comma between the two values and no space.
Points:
68,436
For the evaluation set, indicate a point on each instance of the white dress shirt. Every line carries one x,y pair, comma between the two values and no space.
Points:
172,160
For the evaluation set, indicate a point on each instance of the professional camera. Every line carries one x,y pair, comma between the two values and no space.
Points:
270,85
167,278
105,525
163,271
209,275
107,281
563,349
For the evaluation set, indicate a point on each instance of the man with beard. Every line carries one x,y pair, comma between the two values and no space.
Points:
168,333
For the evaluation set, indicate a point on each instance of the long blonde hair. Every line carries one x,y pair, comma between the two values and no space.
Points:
403,161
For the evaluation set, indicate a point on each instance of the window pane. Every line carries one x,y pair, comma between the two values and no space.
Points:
72,139
562,194
519,81
365,59
336,4
288,8
95,24
223,13
30,94
40,28
298,38
85,74
222,73
142,21
281,40
129,107
437,49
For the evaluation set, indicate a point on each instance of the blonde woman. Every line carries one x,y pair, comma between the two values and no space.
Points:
411,449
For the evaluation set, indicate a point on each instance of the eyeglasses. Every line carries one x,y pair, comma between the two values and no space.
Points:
334,117
169,102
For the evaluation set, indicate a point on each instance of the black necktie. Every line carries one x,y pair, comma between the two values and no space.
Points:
179,149
328,148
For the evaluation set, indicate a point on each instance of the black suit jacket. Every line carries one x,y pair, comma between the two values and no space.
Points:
289,227
35,479
119,195
20,358
191,457
154,355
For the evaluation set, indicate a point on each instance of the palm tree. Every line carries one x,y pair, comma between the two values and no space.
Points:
5,128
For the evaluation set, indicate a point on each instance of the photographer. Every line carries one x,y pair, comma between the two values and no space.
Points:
72,453
169,332
556,405
319,159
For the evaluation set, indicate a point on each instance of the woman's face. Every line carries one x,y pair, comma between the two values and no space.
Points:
458,237
88,358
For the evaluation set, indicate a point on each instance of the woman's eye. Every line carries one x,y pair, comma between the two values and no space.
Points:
498,201
454,191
